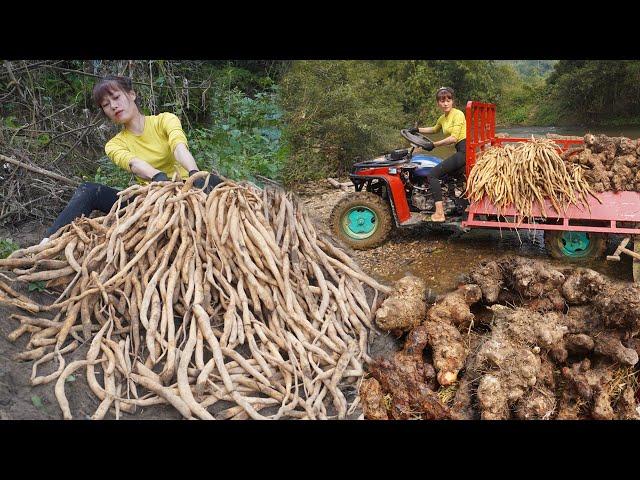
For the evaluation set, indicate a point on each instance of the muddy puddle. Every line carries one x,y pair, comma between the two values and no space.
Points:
441,257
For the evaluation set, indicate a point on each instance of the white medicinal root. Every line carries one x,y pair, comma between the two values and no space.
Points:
231,296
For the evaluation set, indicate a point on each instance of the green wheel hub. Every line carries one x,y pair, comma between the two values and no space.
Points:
574,244
360,222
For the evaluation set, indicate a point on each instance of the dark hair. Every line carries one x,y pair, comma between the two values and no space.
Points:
111,84
442,90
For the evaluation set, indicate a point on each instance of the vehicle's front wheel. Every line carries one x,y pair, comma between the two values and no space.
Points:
362,220
575,246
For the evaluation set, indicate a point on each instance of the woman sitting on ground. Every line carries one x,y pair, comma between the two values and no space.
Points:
152,147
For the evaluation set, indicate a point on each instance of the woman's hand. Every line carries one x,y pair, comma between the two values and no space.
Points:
160,177
214,181
142,169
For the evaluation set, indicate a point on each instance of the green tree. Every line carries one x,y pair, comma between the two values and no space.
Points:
596,90
337,112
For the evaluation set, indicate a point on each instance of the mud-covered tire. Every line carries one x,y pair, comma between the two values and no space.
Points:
362,220
575,246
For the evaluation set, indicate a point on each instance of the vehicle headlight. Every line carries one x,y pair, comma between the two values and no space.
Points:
393,170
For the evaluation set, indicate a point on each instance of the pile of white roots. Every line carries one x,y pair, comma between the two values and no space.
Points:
189,300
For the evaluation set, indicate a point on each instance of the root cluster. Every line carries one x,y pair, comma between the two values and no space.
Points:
520,340
190,300
610,163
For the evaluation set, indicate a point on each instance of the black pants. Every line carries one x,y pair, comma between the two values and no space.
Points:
95,196
87,198
452,164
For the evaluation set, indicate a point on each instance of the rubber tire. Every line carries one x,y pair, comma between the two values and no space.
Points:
597,246
371,201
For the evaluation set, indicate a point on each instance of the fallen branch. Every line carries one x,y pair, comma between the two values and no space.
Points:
39,170
343,186
268,180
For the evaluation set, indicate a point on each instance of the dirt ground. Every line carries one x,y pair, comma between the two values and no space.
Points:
438,256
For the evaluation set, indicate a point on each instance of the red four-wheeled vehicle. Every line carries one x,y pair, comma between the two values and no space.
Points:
392,191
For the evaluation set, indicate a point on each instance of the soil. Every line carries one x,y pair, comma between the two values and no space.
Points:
439,256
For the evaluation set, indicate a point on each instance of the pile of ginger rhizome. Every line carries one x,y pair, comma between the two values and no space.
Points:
517,339
226,306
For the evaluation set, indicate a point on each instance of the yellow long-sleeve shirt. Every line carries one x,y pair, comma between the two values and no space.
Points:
454,124
161,135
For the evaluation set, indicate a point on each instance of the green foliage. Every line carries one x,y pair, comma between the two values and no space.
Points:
520,100
243,137
530,69
596,91
38,286
7,247
337,112
418,80
107,173
37,401
10,122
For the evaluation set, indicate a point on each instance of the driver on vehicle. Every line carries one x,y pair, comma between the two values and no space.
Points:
453,123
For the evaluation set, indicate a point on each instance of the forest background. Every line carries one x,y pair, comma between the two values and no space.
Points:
288,121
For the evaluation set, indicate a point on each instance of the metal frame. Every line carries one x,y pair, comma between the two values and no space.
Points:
612,208
481,130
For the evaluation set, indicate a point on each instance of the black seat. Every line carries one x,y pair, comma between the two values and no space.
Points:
397,155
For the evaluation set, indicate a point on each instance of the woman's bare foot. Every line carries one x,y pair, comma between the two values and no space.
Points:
438,216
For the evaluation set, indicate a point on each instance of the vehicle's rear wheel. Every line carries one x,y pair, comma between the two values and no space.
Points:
575,246
362,220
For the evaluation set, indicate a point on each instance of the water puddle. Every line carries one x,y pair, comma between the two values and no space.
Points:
441,258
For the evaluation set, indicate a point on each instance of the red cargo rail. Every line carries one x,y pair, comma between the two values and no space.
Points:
616,212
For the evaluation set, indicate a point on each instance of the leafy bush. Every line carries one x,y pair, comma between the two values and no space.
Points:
337,112
418,81
521,101
243,138
108,173
7,247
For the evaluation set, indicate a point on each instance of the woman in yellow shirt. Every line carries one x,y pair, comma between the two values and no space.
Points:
152,147
453,123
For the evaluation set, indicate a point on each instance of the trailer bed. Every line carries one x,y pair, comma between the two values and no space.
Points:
616,213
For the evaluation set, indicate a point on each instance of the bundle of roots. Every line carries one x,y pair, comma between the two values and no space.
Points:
521,175
189,300
610,163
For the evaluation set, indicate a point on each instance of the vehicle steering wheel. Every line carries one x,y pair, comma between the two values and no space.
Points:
417,139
